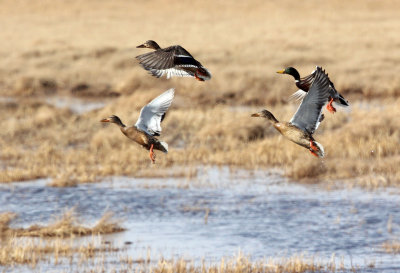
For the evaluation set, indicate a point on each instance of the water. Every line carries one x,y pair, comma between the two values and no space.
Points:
220,213
76,105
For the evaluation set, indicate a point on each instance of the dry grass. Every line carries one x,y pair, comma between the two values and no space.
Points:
58,252
66,226
244,264
361,146
14,251
392,247
90,53
56,242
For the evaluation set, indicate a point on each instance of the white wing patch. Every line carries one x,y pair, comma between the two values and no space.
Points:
298,95
150,116
170,72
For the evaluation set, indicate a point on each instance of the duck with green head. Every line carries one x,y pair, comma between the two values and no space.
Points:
304,85
304,123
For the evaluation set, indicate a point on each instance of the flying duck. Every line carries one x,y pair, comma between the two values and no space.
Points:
304,85
171,61
148,126
304,123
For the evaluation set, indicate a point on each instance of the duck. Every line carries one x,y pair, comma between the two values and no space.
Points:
304,85
305,121
171,61
148,125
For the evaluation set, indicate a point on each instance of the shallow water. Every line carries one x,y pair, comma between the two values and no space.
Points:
76,105
222,212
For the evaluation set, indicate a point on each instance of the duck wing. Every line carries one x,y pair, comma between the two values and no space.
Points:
306,82
159,59
308,115
172,61
153,113
337,96
304,85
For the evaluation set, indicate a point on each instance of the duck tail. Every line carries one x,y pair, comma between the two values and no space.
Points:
342,101
320,152
163,147
203,73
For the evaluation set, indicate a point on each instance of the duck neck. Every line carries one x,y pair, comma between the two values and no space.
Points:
155,46
119,123
272,119
295,74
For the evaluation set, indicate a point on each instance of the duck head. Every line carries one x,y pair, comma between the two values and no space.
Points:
113,119
290,71
149,44
266,114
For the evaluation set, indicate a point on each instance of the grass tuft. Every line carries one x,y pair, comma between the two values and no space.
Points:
65,226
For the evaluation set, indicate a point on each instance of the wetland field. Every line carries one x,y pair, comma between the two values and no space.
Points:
232,195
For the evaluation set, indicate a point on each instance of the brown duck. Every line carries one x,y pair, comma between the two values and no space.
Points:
171,61
304,85
304,123
148,126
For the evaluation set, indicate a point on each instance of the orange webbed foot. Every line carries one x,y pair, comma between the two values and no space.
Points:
152,154
313,149
330,107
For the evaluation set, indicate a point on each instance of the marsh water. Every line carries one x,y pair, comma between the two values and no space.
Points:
221,212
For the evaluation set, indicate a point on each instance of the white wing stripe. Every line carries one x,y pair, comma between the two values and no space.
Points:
171,72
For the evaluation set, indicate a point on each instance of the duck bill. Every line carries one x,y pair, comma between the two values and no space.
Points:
281,72
141,46
256,115
105,120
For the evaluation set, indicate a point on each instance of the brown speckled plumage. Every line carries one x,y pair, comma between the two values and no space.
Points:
305,121
148,125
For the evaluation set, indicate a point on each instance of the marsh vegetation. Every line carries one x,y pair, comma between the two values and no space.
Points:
64,67
209,122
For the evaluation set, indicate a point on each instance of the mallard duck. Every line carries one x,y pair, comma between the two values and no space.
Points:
172,61
308,116
148,126
304,85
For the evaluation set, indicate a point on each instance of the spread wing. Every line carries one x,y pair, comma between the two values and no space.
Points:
308,114
153,113
169,61
157,60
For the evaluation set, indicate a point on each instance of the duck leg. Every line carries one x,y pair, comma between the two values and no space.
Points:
152,154
330,107
313,149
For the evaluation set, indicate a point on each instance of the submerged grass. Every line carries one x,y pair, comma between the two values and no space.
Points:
91,258
14,251
66,226
299,264
392,247
53,242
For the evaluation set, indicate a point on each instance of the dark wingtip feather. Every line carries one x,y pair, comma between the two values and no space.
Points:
163,116
343,101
